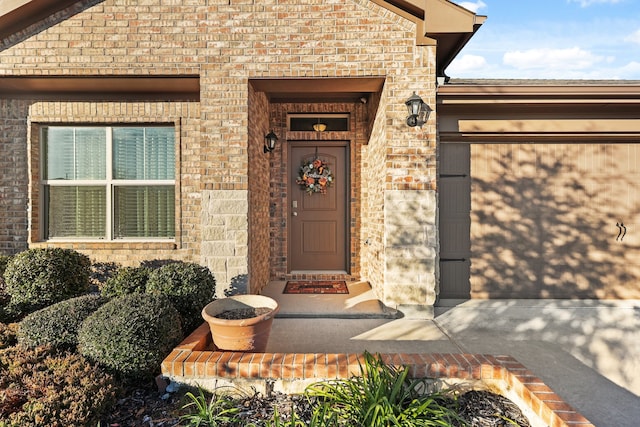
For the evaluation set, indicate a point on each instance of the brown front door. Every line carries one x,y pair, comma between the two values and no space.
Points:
318,232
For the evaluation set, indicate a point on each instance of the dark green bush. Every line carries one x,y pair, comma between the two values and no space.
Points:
4,260
101,272
40,387
131,334
58,324
37,278
189,287
128,280
4,296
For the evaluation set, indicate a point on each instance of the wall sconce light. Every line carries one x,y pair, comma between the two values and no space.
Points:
270,142
419,111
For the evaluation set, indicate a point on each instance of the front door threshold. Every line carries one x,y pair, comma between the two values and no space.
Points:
359,303
318,272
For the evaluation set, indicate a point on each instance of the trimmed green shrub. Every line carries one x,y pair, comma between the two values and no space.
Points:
41,387
37,278
128,280
58,324
4,260
4,296
100,273
189,286
131,334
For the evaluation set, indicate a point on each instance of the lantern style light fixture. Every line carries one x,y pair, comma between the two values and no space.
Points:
419,111
270,140
319,127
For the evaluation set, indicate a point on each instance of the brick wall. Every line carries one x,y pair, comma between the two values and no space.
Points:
228,43
373,188
259,191
13,176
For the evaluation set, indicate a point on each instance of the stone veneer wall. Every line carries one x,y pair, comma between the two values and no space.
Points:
227,43
411,250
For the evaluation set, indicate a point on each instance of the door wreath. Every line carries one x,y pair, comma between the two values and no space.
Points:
315,176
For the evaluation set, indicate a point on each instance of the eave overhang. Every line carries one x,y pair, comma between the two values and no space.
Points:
17,15
98,87
439,23
577,112
326,89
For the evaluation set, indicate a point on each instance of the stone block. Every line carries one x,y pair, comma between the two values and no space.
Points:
410,207
213,233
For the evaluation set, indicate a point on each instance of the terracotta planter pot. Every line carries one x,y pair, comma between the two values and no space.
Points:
250,334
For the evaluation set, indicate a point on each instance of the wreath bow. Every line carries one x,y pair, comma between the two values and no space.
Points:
315,176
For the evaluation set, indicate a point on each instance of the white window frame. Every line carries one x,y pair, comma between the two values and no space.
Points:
109,183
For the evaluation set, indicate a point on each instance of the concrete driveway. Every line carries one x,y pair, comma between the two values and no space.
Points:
586,351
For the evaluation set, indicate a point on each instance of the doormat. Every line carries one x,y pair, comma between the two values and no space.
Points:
316,287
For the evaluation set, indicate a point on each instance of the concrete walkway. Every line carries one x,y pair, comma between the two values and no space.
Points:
588,352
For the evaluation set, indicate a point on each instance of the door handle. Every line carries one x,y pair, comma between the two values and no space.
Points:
622,231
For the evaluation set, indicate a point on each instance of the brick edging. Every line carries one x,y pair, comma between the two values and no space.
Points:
193,359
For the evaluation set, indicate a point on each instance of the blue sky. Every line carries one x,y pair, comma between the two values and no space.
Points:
552,39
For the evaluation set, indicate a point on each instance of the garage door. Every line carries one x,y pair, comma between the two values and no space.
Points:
552,221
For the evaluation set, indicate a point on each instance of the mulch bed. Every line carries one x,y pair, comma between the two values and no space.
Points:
316,287
148,407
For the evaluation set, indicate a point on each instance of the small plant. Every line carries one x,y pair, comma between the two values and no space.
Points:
127,280
131,334
294,421
382,396
219,409
188,286
40,387
37,278
58,324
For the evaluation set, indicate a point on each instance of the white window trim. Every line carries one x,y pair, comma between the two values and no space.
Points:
109,183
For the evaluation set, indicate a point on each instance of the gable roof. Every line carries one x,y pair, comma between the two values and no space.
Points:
439,23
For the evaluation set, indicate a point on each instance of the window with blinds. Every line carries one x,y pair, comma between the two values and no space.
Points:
108,182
